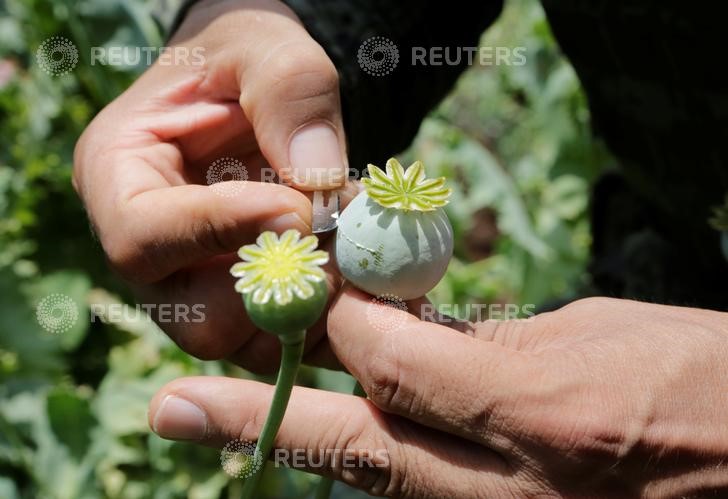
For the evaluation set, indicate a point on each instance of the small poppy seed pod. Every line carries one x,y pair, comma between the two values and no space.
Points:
283,285
290,320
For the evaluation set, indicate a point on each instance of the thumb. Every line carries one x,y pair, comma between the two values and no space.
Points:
289,91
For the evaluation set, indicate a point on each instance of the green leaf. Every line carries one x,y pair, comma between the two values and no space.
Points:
74,285
38,353
71,420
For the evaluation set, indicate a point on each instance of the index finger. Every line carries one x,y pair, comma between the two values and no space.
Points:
332,434
150,220
428,372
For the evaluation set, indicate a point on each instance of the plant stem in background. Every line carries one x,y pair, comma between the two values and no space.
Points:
291,360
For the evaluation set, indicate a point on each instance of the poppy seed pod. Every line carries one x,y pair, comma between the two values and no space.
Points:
283,285
394,238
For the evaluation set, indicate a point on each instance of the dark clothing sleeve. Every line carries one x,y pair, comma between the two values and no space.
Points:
383,113
660,102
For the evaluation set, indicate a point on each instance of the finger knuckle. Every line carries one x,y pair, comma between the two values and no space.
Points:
406,477
124,255
296,75
593,439
405,483
590,305
365,461
131,253
218,236
383,377
303,61
588,430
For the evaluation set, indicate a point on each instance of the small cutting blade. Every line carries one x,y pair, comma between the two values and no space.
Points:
325,212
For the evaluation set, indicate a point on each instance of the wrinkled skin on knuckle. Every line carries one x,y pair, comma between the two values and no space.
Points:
288,65
383,379
564,445
139,254
133,254
218,233
124,256
293,75
112,217
406,481
589,437
419,475
371,450
482,407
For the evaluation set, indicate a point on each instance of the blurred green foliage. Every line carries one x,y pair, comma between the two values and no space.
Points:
514,141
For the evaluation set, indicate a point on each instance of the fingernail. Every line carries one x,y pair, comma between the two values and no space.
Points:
316,157
179,419
284,222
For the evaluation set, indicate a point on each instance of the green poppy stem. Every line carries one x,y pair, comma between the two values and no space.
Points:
325,484
290,361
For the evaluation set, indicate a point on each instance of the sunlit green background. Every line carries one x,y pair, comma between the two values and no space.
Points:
514,141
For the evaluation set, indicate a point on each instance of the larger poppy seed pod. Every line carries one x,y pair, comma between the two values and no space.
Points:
394,238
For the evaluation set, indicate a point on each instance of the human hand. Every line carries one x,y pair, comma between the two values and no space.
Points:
266,95
602,398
